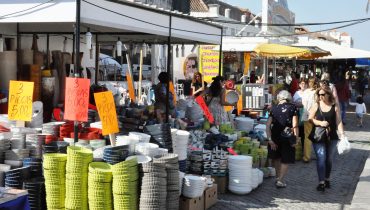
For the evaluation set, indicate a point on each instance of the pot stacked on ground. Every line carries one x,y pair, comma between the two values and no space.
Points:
55,180
240,174
125,185
153,193
78,160
171,162
100,186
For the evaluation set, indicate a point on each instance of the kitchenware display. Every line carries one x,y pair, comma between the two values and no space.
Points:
171,162
153,182
54,165
240,174
78,160
52,128
148,149
160,135
100,186
15,177
35,165
128,140
193,186
244,124
125,184
36,193
180,140
143,137
114,155
140,158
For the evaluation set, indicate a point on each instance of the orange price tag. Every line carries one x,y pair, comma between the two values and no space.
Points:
76,99
20,100
203,105
107,112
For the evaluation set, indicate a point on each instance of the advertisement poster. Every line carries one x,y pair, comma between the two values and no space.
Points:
209,61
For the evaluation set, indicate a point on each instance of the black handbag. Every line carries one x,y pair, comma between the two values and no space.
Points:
318,133
288,135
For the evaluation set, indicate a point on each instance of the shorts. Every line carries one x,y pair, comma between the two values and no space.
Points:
284,151
359,115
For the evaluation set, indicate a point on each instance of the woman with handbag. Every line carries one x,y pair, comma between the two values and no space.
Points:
282,132
216,101
326,120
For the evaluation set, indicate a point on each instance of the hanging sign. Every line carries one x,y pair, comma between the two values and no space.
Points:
107,112
20,100
203,105
209,62
76,99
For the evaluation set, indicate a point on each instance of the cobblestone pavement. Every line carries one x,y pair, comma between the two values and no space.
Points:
301,191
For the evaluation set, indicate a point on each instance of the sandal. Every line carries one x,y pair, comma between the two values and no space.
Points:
280,184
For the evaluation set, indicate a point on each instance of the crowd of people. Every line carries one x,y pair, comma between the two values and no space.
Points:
311,111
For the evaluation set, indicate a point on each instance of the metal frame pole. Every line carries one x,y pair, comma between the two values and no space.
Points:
97,53
77,55
169,57
220,56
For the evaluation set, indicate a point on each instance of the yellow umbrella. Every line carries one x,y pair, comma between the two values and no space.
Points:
280,51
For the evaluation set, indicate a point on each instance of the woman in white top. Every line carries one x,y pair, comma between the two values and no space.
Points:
308,99
297,100
360,109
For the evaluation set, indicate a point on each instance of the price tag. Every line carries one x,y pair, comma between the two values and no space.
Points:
20,100
107,112
76,99
203,105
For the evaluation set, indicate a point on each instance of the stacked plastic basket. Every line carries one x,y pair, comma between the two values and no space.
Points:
125,185
100,186
54,165
78,160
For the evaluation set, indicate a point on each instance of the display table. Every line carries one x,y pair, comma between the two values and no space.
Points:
14,199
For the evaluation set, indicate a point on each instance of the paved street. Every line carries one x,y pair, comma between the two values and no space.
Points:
302,180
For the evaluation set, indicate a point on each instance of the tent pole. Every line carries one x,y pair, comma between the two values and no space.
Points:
169,57
97,53
220,55
47,51
77,55
19,51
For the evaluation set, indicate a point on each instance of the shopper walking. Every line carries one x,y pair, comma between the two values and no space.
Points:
308,99
360,110
344,95
325,81
325,114
282,131
160,92
297,99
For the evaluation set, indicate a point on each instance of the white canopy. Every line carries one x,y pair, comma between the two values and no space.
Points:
241,44
139,22
337,51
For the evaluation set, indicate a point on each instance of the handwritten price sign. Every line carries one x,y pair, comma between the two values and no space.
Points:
20,100
107,112
77,99
203,105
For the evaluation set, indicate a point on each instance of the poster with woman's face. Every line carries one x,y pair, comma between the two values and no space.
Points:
190,66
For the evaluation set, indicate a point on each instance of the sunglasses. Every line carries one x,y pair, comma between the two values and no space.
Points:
322,94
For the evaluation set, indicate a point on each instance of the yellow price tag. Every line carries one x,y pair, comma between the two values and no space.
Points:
20,100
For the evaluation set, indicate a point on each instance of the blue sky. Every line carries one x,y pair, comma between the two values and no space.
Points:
313,11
